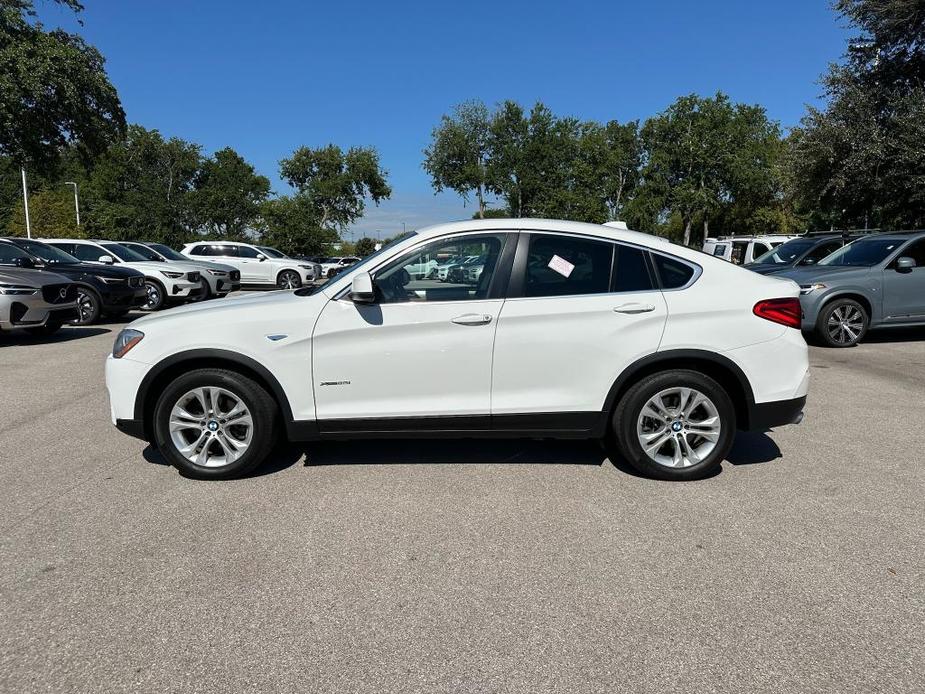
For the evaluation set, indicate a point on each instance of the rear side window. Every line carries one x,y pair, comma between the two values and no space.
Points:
672,273
630,271
566,265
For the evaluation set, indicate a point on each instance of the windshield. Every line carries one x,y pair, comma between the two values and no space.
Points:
144,251
863,253
123,253
786,253
47,253
272,252
305,291
167,252
10,253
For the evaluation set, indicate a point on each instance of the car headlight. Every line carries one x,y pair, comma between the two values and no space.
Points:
110,280
307,267
127,339
17,289
809,288
217,273
171,275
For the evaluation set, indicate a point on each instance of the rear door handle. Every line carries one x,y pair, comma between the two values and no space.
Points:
634,307
472,319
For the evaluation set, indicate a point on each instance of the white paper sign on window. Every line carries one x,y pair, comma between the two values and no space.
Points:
561,265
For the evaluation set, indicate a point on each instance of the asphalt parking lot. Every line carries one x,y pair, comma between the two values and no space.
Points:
498,566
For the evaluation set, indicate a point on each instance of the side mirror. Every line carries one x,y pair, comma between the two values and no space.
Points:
361,289
24,262
261,257
905,264
106,259
808,261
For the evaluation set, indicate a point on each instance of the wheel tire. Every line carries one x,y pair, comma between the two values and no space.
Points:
842,323
260,405
89,306
157,295
288,279
50,328
626,420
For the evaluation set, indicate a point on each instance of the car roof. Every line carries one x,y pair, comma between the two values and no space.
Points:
531,224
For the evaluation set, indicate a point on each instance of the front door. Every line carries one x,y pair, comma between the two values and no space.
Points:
253,269
579,312
423,350
904,292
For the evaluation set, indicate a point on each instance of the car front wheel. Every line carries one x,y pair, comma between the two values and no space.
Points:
89,306
842,323
288,279
155,296
675,425
214,424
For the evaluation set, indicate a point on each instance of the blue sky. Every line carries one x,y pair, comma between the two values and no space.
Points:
267,77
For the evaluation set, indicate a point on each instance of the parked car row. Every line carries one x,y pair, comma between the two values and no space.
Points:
258,265
850,283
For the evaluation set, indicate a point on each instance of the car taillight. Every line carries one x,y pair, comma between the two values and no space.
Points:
784,311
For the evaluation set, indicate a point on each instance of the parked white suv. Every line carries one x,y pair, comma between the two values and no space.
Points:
165,284
257,264
743,249
332,266
572,330
217,280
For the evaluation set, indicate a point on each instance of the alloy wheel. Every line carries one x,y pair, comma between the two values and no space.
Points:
289,280
85,307
211,427
678,427
845,324
153,296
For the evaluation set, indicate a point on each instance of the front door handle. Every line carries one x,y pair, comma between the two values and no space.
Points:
472,319
634,307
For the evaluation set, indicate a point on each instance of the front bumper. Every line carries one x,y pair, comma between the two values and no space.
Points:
32,311
123,297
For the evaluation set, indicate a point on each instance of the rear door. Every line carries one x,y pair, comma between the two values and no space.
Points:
904,291
579,311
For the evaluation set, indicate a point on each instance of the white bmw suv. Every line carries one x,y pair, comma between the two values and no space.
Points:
258,264
570,330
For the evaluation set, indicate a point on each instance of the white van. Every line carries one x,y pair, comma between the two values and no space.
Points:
743,249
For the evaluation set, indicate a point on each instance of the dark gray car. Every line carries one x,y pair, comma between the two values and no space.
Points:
874,282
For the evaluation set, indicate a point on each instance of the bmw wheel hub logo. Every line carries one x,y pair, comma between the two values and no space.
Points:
213,425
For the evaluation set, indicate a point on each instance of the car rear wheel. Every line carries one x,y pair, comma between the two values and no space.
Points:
214,424
288,279
842,323
156,296
675,425
89,306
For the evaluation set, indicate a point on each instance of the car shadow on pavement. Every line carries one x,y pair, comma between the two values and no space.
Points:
881,335
283,456
753,447
455,451
65,334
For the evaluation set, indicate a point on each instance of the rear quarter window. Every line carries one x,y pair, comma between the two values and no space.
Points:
672,273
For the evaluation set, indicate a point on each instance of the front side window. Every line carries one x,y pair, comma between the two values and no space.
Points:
415,277
124,253
10,253
567,265
201,250
167,252
246,252
916,251
144,251
88,252
271,252
46,252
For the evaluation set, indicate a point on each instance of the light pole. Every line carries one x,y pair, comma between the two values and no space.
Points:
25,200
76,204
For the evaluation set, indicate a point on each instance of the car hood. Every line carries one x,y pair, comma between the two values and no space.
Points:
817,273
71,269
258,301
32,278
767,269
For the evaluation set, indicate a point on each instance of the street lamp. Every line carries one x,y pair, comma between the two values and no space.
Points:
76,203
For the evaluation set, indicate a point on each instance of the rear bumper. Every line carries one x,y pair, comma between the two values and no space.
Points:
767,415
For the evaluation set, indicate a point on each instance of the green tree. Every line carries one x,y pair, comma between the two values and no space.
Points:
335,185
290,224
141,188
54,91
364,246
860,161
227,195
607,168
457,156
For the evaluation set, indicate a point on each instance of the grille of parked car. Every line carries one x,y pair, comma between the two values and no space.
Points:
59,293
136,282
193,276
235,275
